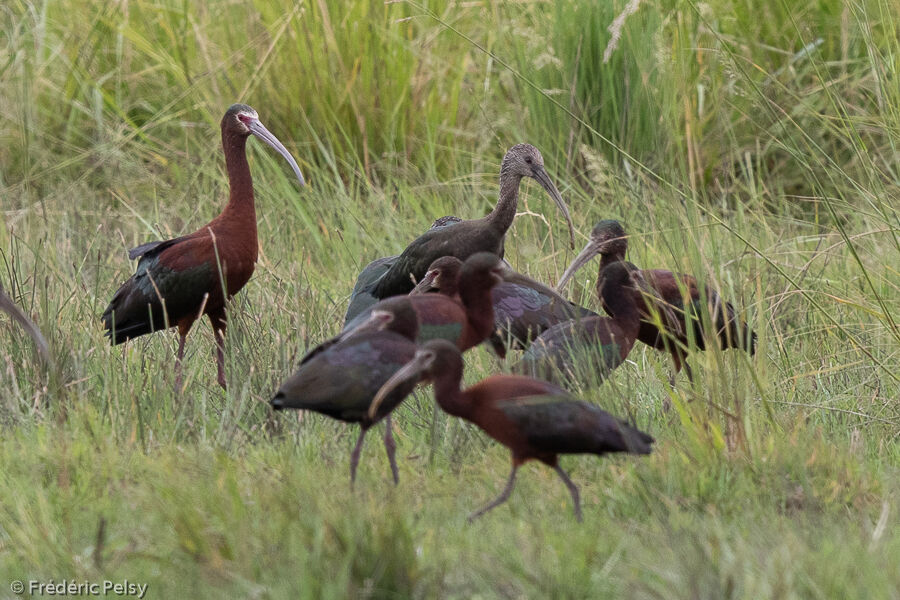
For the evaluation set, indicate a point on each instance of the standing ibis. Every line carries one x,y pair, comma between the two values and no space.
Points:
666,294
340,377
179,280
523,308
466,319
478,235
604,341
361,297
534,419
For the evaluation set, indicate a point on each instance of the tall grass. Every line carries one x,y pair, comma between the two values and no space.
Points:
751,144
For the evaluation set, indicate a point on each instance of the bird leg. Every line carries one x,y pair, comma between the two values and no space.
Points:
354,456
573,490
390,445
182,336
503,497
218,324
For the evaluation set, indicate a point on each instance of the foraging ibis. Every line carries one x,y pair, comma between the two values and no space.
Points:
340,377
534,419
604,341
667,294
523,308
480,235
361,297
179,280
466,319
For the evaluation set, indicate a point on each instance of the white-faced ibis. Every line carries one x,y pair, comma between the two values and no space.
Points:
480,235
534,419
523,308
465,320
361,297
666,293
340,377
179,280
605,341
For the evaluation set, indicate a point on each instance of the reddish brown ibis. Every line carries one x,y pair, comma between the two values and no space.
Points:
534,419
523,308
480,235
602,341
179,280
361,297
340,377
465,320
666,294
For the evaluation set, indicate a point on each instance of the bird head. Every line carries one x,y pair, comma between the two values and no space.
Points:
242,120
432,358
442,276
607,238
482,270
524,160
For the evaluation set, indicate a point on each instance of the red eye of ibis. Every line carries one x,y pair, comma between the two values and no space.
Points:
245,119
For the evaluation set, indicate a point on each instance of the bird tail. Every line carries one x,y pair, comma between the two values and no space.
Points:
635,441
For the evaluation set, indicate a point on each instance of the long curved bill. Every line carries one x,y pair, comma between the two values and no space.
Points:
589,252
425,285
541,176
408,373
259,130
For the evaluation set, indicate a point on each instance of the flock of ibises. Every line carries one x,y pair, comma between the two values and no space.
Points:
412,316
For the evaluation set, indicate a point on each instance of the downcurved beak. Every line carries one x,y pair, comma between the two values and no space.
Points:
409,373
425,285
374,322
589,252
540,174
257,129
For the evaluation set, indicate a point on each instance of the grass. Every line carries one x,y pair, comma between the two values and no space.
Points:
731,142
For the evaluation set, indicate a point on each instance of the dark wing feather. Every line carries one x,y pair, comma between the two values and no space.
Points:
341,380
564,425
362,298
137,307
151,248
525,308
461,240
555,353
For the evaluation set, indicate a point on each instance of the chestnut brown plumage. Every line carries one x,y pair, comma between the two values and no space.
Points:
339,377
479,235
674,297
179,280
603,342
534,419
467,319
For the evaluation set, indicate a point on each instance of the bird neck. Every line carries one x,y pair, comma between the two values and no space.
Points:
619,302
504,212
447,393
479,306
241,204
605,261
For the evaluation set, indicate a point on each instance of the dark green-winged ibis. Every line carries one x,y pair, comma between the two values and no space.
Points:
479,235
667,294
340,377
466,319
179,280
361,297
534,419
523,308
602,341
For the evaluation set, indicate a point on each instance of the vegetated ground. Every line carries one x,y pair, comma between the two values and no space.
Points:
752,144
